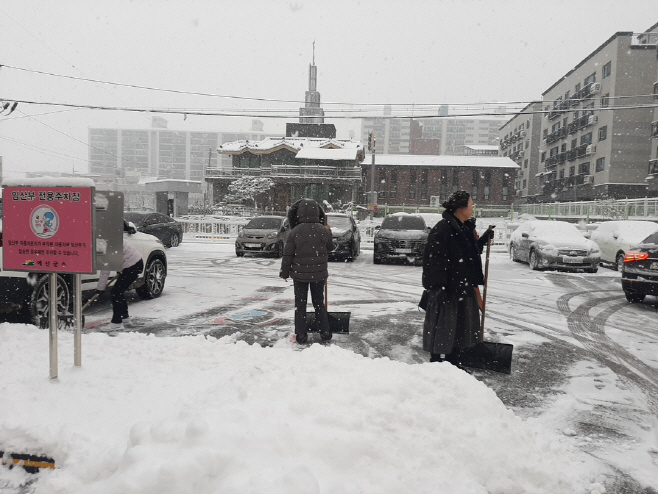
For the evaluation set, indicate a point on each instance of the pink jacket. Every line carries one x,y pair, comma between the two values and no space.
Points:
131,256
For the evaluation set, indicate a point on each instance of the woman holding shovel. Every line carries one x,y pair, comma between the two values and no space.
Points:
452,272
305,258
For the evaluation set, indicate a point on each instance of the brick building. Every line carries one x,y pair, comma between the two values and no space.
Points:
412,180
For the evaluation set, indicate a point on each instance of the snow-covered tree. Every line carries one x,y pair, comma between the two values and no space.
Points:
248,189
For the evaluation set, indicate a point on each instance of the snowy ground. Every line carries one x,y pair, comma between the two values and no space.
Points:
230,405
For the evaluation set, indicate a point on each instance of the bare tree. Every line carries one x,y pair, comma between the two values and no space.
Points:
248,189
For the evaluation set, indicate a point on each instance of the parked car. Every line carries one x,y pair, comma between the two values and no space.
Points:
401,236
554,244
27,294
264,235
639,273
167,229
614,238
346,235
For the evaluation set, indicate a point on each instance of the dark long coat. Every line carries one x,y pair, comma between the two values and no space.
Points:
452,268
305,255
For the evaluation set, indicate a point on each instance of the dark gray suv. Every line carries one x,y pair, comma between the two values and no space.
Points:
401,236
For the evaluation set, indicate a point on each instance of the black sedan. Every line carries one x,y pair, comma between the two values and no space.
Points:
168,230
346,235
639,273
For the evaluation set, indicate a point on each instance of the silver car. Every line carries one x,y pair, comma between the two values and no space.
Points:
554,245
263,235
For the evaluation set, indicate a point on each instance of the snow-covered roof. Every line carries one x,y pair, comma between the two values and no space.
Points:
312,153
481,147
294,144
448,161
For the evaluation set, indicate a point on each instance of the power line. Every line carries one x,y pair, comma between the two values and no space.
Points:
275,100
294,114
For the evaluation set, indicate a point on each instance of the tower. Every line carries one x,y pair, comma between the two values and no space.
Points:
312,112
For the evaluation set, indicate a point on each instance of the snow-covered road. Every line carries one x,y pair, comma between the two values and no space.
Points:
585,362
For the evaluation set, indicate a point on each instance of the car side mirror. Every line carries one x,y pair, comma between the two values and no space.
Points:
377,227
525,235
131,228
615,235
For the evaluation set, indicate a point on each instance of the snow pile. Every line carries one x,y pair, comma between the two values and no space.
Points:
194,415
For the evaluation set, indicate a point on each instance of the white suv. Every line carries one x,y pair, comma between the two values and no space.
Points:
27,294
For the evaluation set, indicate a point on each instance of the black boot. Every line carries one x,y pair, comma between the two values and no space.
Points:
301,338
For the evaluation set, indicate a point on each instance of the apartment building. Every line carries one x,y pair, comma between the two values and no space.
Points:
158,152
405,136
520,140
596,125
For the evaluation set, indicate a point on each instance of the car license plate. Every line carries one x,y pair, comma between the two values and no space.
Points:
653,265
572,260
252,246
403,251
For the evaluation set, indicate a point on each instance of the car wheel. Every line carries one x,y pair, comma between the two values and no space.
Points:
239,254
40,301
279,249
154,279
592,270
634,298
534,260
352,254
512,253
175,240
376,260
619,261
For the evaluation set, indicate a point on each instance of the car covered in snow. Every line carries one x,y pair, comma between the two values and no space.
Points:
263,235
615,238
545,244
346,236
26,296
639,272
401,236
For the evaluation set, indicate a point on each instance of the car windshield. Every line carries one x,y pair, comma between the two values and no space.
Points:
557,231
403,222
651,239
136,218
339,222
264,224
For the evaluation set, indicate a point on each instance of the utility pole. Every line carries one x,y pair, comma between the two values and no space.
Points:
373,197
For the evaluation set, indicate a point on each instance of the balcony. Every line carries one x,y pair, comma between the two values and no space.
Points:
286,171
572,154
653,167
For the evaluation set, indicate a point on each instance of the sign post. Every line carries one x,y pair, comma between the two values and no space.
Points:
48,226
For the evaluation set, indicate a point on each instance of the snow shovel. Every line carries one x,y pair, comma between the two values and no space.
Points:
69,319
339,322
488,355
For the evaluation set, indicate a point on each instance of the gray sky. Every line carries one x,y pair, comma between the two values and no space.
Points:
367,52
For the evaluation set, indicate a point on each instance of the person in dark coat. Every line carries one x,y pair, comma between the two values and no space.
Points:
305,259
452,272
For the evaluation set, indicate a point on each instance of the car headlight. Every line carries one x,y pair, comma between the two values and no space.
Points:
271,235
241,234
549,249
595,249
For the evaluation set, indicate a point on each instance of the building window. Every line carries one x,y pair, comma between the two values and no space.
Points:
524,183
600,164
412,191
583,169
586,139
603,133
543,156
590,79
605,100
525,163
572,171
381,194
562,173
607,70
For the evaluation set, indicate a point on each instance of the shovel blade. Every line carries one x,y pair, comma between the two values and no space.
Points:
488,356
339,322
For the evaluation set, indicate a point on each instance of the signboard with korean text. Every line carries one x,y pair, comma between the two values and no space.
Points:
48,228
